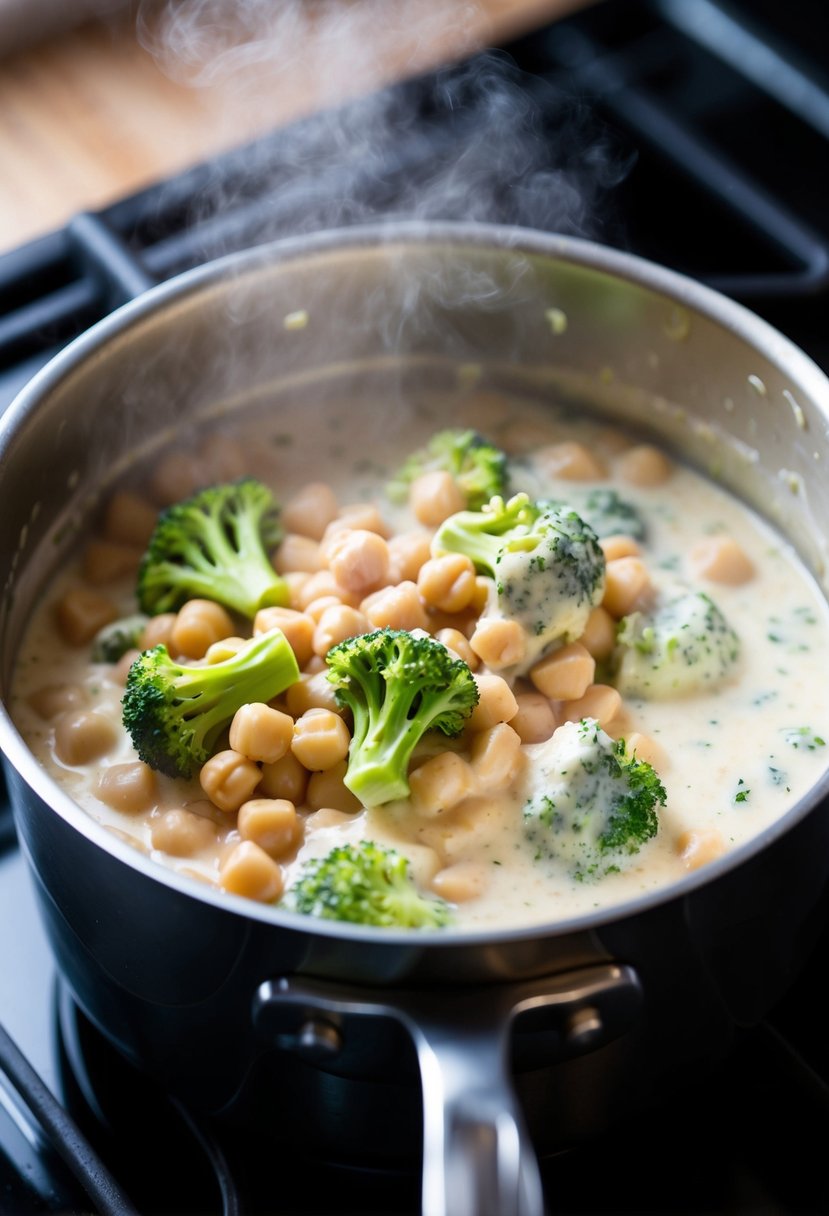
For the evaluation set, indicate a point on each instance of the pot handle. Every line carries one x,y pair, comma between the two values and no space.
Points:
477,1156
478,1159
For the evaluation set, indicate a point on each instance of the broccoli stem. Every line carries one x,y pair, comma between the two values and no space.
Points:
202,694
384,739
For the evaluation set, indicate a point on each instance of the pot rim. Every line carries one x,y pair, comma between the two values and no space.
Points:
681,289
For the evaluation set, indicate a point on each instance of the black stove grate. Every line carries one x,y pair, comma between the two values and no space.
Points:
681,154
696,134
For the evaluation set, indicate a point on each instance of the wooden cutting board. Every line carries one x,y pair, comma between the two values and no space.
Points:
94,114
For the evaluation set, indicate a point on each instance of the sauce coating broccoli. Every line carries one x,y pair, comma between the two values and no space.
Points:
214,546
593,804
174,713
603,508
546,562
683,644
365,884
115,639
398,686
478,466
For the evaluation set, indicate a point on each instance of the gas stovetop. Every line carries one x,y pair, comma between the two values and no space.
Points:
693,133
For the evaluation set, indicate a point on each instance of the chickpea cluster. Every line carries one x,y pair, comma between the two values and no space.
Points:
281,774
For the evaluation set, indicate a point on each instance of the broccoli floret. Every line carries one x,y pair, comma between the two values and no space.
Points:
214,546
115,639
682,645
398,686
481,535
365,884
594,804
547,565
605,511
476,464
175,713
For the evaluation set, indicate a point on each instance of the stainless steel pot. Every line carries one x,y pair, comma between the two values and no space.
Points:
509,1029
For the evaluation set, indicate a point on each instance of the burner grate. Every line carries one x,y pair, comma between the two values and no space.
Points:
718,168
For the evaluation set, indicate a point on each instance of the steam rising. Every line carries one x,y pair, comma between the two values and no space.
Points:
471,141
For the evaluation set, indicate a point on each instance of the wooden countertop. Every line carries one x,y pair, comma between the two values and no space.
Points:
93,114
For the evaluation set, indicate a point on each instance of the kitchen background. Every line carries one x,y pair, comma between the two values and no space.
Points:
142,142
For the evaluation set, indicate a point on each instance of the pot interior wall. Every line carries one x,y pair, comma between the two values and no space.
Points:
311,328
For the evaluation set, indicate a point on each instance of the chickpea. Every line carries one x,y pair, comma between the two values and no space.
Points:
358,560
408,551
249,871
721,560
183,833
337,623
447,582
295,580
440,783
644,465
158,631
322,584
119,671
424,863
198,624
566,674
311,692
480,599
310,510
220,652
496,702
571,461
600,701
364,515
617,546
646,748
434,496
127,787
461,882
261,733
599,637
536,719
326,817
229,779
285,779
298,628
80,613
697,848
627,586
396,608
316,608
458,643
327,789
105,560
296,552
498,643
495,756
272,823
82,736
53,699
129,519
321,739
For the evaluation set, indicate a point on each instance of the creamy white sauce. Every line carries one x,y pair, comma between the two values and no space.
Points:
735,757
